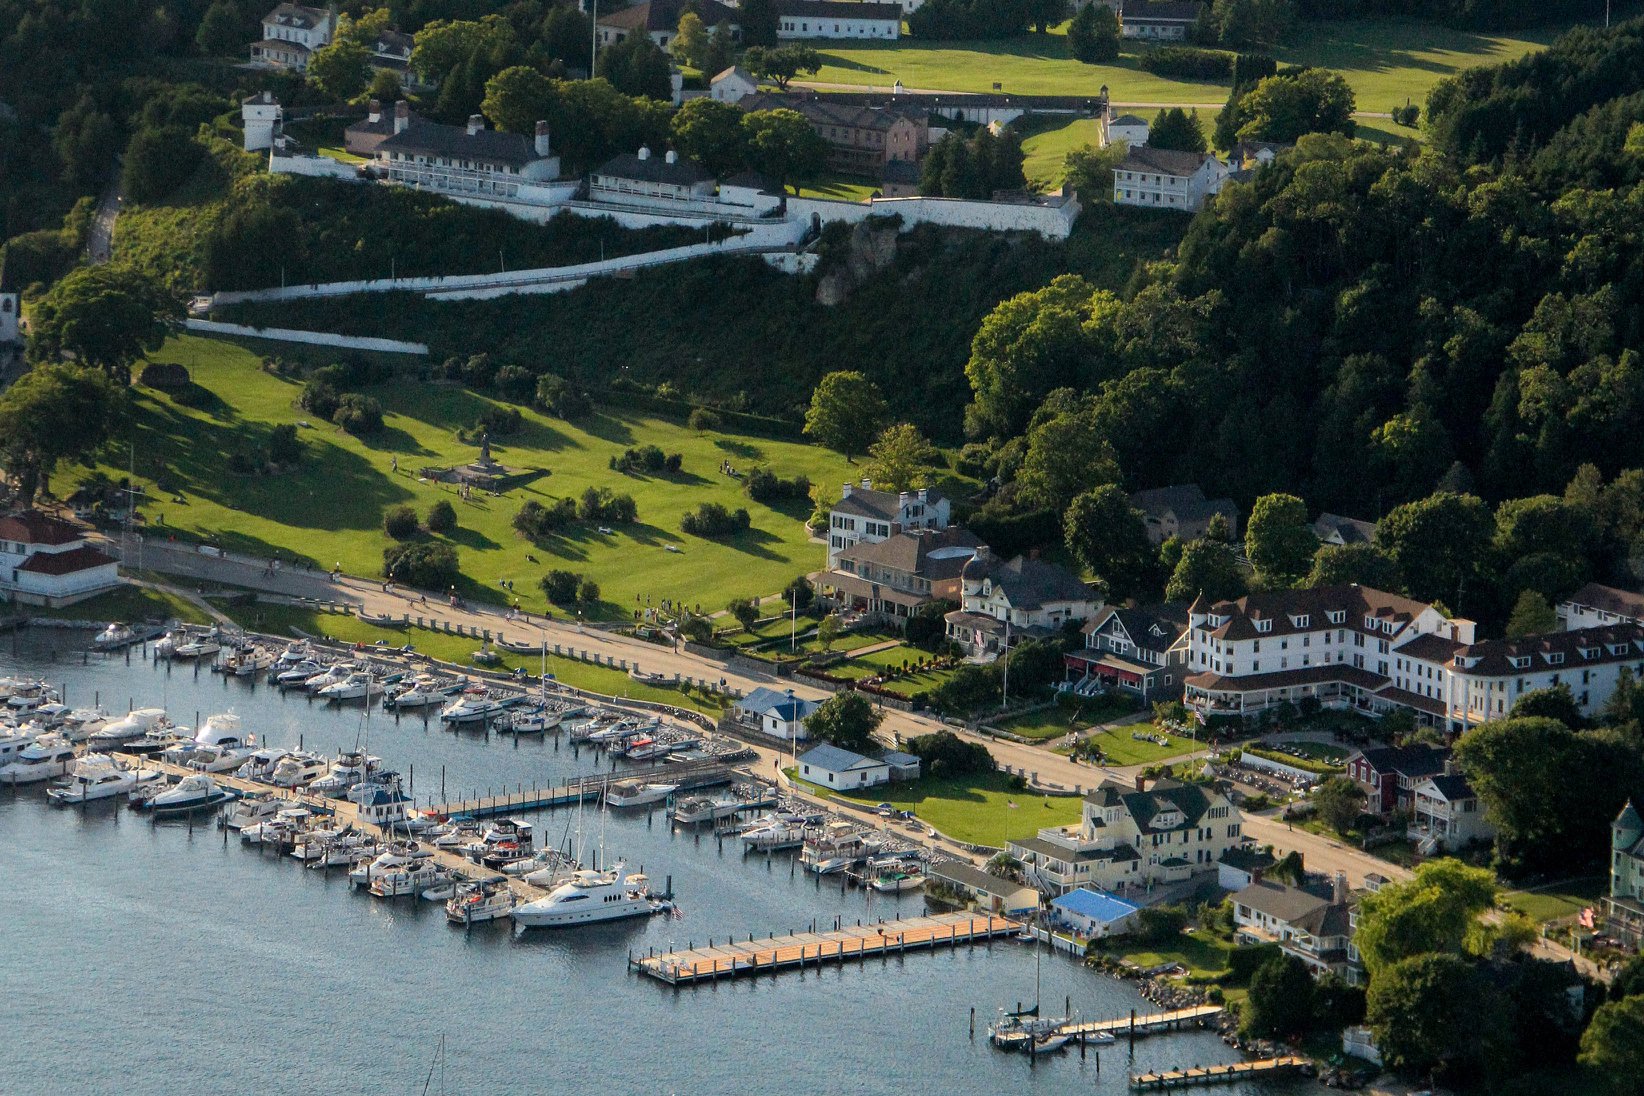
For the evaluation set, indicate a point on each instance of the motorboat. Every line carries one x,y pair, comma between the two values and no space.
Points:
1049,1042
260,764
774,832
895,880
544,858
129,727
528,721
297,769
195,792
217,759
252,810
247,662
614,732
506,840
331,675
634,793
397,856
197,645
454,835
291,656
482,900
50,714
285,827
442,891
48,756
166,645
351,767
590,896
358,685
711,808
81,723
340,850
14,740
29,695
218,745
115,635
312,843
413,878
1019,1030
98,776
835,847
474,706
294,674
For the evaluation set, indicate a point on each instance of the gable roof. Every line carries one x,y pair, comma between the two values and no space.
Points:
1096,905
1348,530
1283,607
1186,500
737,71
831,112
833,759
1412,761
1128,120
839,9
865,502
1028,583
655,169
1163,161
911,551
297,16
1452,786
1145,805
1609,599
767,701
974,878
1284,903
1162,11
663,15
436,139
1152,628
83,558
34,527
1580,647
384,123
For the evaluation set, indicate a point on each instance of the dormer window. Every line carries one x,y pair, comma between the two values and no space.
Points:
1370,623
1264,625
1618,648
1555,658
1520,662
1337,616
1589,652
1301,621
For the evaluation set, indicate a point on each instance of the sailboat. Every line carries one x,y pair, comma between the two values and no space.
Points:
1021,1029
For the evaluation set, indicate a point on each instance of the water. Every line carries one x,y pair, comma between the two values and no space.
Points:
151,958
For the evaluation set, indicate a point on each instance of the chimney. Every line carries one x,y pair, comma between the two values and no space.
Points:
1338,892
902,499
924,494
542,140
1450,766
845,492
670,157
982,555
476,123
1141,782
867,483
644,153
402,116
375,112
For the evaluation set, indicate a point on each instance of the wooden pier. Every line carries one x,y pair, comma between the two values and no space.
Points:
1153,1023
689,776
1160,1081
750,957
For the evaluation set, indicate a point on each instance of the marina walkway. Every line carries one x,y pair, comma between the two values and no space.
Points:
1160,1081
689,775
1135,1026
812,949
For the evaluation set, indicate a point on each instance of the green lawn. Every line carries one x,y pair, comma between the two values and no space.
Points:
841,188
1561,900
1120,749
1315,761
1201,953
331,508
281,619
1385,61
920,682
130,603
1047,150
979,809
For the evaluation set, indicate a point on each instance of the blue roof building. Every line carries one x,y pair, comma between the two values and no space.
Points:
1094,914
833,767
775,712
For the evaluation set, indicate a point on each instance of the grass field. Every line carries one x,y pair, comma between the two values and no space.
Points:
1121,749
1561,900
1385,61
980,809
330,509
1047,150
281,619
1202,954
130,603
841,188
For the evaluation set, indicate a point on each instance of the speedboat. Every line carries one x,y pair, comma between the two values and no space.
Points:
706,808
81,723
634,793
590,896
474,706
358,685
247,662
129,727
289,674
296,769
255,809
482,900
614,732
260,764
413,878
14,740
351,767
193,793
217,746
197,645
897,880
331,675
115,635
47,756
98,776
836,847
454,835
420,692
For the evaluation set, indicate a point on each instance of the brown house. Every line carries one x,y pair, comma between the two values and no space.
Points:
861,139
893,577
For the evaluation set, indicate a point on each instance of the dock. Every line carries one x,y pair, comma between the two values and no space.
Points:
1153,1023
752,957
689,776
1160,1081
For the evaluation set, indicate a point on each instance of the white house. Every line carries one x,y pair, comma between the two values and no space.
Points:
642,181
775,713
463,160
838,19
1093,914
865,515
1131,838
1625,905
833,767
659,20
1182,511
44,561
1446,814
260,116
291,32
1159,178
1595,604
732,85
1139,651
1158,20
1128,128
1313,924
1003,603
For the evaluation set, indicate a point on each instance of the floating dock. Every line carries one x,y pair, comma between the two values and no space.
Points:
812,949
689,776
1153,1023
1161,1081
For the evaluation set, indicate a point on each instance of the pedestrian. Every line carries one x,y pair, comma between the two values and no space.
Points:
394,464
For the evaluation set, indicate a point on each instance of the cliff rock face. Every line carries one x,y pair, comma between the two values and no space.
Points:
869,249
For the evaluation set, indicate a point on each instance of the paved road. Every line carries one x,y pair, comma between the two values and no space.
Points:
100,235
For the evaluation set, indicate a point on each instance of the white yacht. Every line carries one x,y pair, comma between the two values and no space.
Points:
285,826
711,808
528,721
590,896
247,662
81,723
482,900
252,810
192,793
197,645
396,857
133,725
296,769
328,676
295,673
29,695
634,793
358,685
260,764
409,879
218,745
473,707
835,847
115,635
98,776
14,740
47,756
350,768
421,691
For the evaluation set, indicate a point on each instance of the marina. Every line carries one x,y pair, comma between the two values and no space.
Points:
1196,1076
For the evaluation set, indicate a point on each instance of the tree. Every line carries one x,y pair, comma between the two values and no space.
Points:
1531,615
385,86
1339,802
1207,569
690,42
54,412
1283,108
1174,128
783,146
587,592
428,564
108,317
1108,536
745,612
442,517
845,408
1067,454
1089,170
222,32
400,522
1437,910
711,132
1345,564
827,631
1093,35
782,63
759,20
635,66
1030,345
560,586
340,69
1279,539
158,161
845,719
1280,1002
1612,1047
1438,543
899,459
1431,1011
517,98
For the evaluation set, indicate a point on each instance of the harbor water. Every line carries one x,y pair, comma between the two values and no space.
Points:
151,957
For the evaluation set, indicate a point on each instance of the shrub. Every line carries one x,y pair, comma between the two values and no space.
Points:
588,591
242,463
1159,924
945,754
428,564
644,458
357,414
561,587
701,419
767,487
442,517
1187,63
599,504
319,398
798,594
400,522
516,382
710,519
538,522
501,421
166,376
556,396
674,462
1243,962
927,627
284,447
970,687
